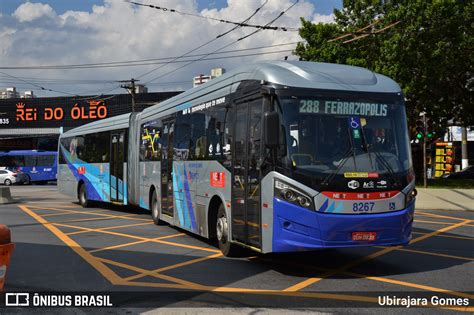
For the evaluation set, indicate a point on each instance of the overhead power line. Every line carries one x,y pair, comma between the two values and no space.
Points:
141,62
240,24
37,85
224,47
198,59
362,32
202,45
208,42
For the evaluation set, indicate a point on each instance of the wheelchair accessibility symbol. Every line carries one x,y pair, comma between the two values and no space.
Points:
354,122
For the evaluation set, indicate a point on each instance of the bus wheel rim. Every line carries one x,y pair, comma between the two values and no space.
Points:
222,229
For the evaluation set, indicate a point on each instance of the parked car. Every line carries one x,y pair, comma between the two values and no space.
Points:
467,173
21,178
8,177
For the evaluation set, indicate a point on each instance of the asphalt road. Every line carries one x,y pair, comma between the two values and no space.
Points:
62,248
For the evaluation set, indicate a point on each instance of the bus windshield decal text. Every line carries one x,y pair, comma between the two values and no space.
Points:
342,108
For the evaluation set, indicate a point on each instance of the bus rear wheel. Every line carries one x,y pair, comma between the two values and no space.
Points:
84,202
155,209
223,235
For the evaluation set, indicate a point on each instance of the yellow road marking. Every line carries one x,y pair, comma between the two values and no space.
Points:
413,285
134,243
433,222
357,262
312,295
379,279
111,228
450,236
150,273
65,212
55,214
92,211
59,204
434,215
104,270
431,253
442,230
140,238
186,263
95,213
196,286
91,219
98,264
190,246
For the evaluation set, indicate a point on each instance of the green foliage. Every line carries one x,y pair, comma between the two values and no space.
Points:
429,53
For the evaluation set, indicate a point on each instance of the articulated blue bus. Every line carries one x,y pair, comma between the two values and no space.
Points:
38,166
276,157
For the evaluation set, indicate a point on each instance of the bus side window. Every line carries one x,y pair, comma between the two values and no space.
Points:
31,160
218,135
150,141
197,142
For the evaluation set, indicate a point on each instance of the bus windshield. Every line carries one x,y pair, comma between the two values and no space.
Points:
325,136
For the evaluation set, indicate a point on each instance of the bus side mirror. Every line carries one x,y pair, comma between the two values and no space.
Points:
271,127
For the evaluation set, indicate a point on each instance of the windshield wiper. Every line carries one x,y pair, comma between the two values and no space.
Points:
384,162
350,151
378,155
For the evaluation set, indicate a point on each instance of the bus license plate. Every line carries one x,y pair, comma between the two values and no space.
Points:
364,236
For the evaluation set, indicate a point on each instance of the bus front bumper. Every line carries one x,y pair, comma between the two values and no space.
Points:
299,229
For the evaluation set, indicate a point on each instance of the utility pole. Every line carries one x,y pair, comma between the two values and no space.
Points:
425,132
421,135
464,154
425,181
131,88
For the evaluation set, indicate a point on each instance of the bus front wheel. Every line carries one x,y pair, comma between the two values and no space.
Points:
223,235
83,196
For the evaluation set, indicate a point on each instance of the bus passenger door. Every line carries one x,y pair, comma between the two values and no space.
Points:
167,169
246,212
116,165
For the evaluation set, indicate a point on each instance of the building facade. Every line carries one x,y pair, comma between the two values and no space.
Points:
36,123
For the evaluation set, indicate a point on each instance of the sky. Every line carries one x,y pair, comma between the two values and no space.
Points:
64,32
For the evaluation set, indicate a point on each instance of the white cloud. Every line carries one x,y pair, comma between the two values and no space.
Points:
321,18
118,31
28,11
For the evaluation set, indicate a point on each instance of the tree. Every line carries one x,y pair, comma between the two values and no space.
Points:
429,52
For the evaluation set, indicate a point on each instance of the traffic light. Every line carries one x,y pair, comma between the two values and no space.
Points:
429,129
420,129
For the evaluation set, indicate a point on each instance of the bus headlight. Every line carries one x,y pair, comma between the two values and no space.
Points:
410,196
292,195
288,195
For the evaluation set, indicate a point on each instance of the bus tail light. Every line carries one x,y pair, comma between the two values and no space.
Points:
292,195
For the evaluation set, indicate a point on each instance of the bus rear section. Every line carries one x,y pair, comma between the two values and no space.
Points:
92,166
